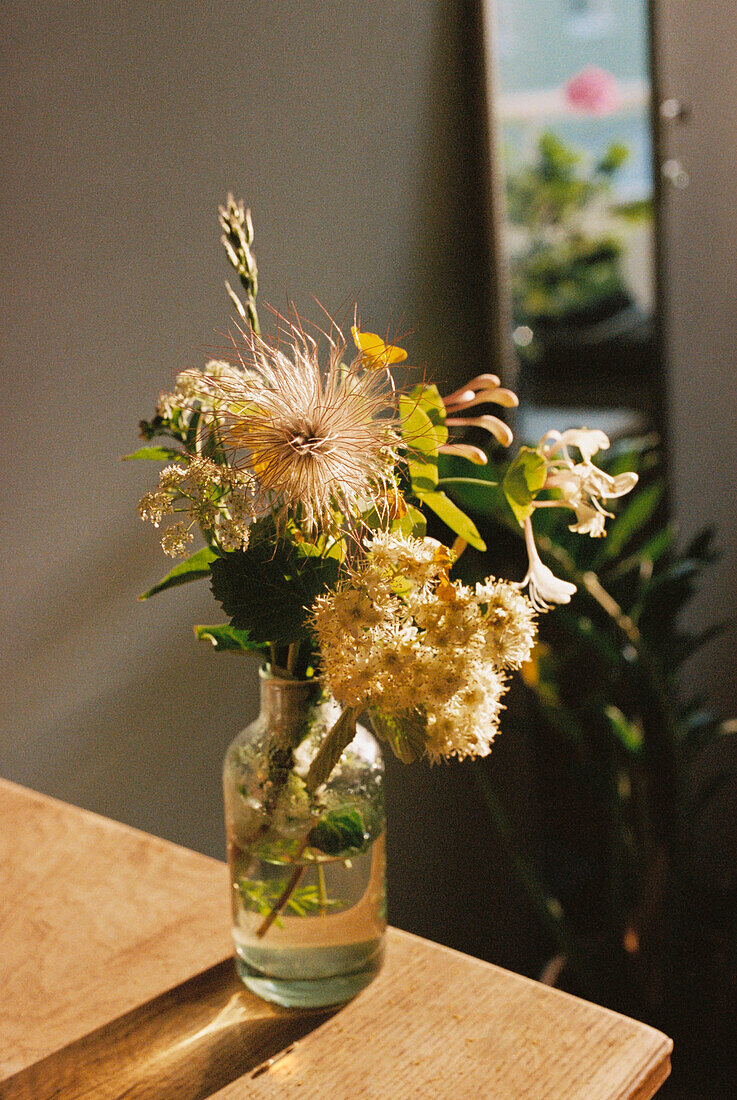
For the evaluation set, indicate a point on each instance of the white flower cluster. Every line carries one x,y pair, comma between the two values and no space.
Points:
218,498
401,638
194,391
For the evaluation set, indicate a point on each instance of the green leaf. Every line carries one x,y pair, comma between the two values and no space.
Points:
628,733
269,589
634,517
655,547
226,638
414,523
196,566
406,736
523,481
613,158
457,520
155,454
429,400
327,756
418,430
423,474
323,547
339,831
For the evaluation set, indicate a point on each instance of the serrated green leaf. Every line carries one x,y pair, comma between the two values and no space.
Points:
196,566
523,481
155,454
226,638
451,514
339,831
269,589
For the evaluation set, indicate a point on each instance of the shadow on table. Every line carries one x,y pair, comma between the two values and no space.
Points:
184,1045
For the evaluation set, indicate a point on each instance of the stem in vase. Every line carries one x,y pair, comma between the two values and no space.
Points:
285,895
321,889
327,756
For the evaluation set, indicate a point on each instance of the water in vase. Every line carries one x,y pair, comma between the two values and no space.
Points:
326,943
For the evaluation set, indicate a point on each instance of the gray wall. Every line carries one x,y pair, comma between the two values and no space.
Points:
698,65
349,129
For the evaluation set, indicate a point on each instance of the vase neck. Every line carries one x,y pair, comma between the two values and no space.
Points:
285,705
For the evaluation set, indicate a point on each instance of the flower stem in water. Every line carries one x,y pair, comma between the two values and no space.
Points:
285,895
321,891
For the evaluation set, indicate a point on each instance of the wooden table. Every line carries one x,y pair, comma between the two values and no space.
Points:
116,980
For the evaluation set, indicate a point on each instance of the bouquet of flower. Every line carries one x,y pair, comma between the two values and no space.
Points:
309,473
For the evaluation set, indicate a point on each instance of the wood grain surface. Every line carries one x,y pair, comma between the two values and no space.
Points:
437,1025
96,919
117,981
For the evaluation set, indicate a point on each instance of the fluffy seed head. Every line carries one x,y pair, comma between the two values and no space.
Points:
317,439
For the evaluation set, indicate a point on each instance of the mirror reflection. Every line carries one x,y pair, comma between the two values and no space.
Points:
574,160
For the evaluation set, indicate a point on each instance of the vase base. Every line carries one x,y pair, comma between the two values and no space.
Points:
318,992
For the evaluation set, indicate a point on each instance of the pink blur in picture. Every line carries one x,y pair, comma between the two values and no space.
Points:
593,90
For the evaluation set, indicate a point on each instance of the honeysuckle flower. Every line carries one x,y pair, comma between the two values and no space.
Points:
481,390
582,485
589,442
465,450
544,588
374,352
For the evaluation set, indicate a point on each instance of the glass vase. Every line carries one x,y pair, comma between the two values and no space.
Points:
307,873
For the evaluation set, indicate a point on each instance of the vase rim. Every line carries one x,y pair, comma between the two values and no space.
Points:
265,674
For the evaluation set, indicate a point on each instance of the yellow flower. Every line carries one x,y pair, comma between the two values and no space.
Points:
374,352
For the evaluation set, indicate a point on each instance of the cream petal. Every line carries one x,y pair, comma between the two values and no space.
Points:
492,424
589,521
506,398
623,483
465,450
544,587
480,382
588,441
